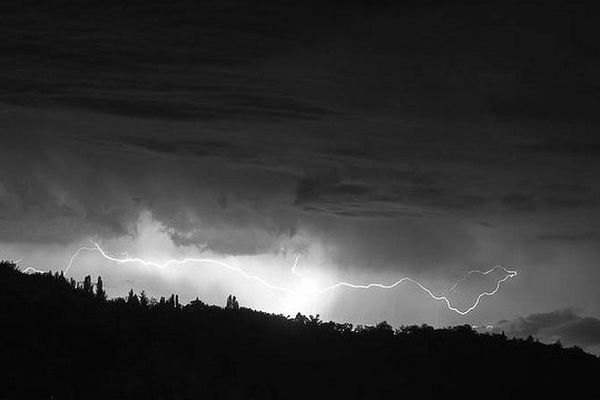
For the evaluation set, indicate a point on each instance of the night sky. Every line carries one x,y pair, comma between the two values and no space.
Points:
375,140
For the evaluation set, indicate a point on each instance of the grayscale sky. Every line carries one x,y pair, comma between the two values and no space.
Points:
379,141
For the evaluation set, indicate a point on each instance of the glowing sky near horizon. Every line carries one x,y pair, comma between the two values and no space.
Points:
305,292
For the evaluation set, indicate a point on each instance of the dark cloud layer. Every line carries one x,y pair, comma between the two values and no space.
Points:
243,59
374,111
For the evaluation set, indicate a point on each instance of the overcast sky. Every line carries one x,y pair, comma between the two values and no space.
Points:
423,140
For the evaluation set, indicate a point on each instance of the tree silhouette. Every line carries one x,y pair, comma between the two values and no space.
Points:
232,303
196,305
87,285
132,298
301,319
143,299
100,292
315,319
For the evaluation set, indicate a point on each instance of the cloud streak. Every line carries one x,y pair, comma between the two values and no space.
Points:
566,325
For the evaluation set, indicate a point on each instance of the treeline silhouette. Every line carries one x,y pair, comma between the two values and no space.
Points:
65,340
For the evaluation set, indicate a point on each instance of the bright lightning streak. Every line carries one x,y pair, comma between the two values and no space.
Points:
509,274
176,262
28,270
464,278
31,270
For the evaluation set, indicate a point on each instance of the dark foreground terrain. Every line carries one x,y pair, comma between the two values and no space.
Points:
64,340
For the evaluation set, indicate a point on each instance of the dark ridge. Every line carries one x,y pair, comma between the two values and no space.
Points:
66,340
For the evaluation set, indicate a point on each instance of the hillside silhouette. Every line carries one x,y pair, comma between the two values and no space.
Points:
65,340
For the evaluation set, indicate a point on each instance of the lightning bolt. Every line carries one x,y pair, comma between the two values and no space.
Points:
31,270
141,261
28,270
509,274
441,298
477,272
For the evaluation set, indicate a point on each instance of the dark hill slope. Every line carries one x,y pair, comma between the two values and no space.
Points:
65,342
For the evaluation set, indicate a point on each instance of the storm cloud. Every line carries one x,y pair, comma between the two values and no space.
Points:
402,139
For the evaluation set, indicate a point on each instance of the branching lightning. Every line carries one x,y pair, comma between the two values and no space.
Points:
509,274
442,298
477,272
